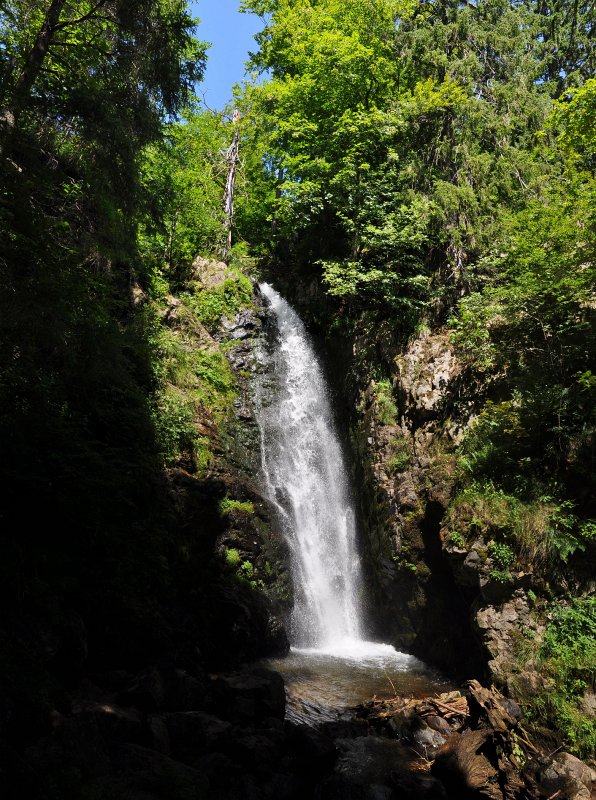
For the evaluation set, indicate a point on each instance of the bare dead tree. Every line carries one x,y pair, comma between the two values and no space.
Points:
233,160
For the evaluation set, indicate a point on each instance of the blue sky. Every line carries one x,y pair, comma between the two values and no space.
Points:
231,35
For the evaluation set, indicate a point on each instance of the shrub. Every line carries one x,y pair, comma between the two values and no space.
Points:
247,568
228,506
192,381
457,539
567,657
225,300
400,457
385,408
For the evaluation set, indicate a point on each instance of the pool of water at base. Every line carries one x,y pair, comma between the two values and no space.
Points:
323,683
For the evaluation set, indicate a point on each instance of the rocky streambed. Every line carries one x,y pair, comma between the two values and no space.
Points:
168,734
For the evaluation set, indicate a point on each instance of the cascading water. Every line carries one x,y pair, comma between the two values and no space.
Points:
306,480
305,477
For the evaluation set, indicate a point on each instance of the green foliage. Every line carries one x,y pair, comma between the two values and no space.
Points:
503,557
174,423
183,176
229,506
399,461
542,533
393,136
457,539
232,557
385,408
224,300
531,327
400,456
574,117
247,569
568,657
191,378
567,533
501,554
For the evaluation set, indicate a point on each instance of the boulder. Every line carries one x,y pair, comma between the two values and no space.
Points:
146,692
568,778
141,769
190,734
371,768
208,272
251,695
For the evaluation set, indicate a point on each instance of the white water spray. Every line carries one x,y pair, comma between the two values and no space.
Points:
305,478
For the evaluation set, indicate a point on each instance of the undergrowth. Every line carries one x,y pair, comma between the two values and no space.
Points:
567,659
385,407
224,300
229,506
194,381
541,533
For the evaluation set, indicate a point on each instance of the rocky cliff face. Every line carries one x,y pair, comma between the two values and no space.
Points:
433,594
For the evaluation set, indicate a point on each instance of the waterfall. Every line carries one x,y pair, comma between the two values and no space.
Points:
306,479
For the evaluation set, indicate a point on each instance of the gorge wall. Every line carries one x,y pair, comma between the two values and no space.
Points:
461,571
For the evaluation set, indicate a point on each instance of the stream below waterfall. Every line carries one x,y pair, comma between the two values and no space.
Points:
332,666
320,685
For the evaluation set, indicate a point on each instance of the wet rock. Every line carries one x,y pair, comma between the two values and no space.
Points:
243,326
369,768
568,778
256,750
191,733
311,745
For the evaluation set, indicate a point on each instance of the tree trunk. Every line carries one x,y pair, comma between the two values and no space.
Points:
28,75
228,202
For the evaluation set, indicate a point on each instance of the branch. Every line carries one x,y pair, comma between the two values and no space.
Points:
62,25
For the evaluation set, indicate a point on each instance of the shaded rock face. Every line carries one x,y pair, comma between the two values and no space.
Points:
499,626
403,437
428,595
110,694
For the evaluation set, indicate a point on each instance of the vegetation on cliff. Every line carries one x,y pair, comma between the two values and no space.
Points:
413,166
433,165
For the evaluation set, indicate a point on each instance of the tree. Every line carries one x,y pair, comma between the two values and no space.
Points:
183,178
395,132
85,87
